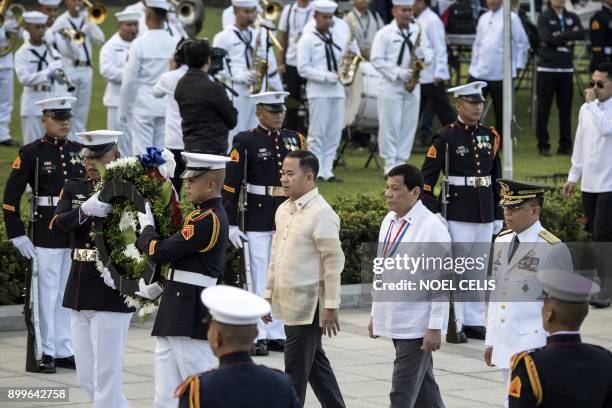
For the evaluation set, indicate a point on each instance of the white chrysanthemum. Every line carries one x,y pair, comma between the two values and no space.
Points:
147,309
100,267
123,162
132,301
127,221
131,251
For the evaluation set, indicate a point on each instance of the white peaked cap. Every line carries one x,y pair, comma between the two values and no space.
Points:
99,137
59,103
567,286
198,163
234,306
473,90
270,98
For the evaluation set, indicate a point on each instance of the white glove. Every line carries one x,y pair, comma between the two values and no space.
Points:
150,292
497,226
236,236
354,48
331,77
442,220
55,65
94,207
246,77
108,278
419,53
25,246
146,218
404,74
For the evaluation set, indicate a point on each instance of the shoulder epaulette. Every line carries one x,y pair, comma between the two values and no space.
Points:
532,373
197,215
192,384
516,359
302,141
504,232
496,140
549,237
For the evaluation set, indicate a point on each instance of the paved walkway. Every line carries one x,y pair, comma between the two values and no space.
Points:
363,366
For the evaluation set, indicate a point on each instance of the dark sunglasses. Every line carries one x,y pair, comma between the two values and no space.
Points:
598,84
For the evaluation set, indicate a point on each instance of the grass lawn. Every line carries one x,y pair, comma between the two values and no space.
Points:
355,178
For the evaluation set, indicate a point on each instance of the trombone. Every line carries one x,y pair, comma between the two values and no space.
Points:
96,12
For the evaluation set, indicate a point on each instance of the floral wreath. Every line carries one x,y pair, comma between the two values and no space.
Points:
127,183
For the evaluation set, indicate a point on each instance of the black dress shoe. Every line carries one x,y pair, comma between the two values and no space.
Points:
46,365
475,332
261,348
66,362
333,179
460,338
9,143
276,345
600,302
564,151
545,151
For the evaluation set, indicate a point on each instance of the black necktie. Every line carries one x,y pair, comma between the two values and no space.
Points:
332,64
405,43
248,49
513,247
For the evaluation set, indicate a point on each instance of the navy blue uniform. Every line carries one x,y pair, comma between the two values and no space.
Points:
600,34
238,382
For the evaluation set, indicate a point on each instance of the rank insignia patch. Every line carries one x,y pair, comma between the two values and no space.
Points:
17,163
432,152
515,387
187,232
235,156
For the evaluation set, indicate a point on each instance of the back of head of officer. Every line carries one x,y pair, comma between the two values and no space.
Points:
155,18
299,173
403,190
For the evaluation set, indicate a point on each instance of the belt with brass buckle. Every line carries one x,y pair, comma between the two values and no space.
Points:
42,88
47,201
272,191
480,181
80,63
85,255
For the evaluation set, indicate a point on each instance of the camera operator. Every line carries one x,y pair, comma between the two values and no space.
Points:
207,112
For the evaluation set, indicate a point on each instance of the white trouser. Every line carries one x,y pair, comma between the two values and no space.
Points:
472,236
82,78
147,131
260,246
246,117
176,358
398,117
31,128
53,270
113,123
99,341
326,118
6,103
506,379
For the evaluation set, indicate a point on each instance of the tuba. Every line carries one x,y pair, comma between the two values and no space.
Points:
350,61
13,12
416,65
190,14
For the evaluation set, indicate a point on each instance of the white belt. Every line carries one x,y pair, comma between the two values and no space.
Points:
47,201
484,181
193,278
272,191
42,88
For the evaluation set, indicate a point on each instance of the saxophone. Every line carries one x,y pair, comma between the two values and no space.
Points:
416,65
350,61
259,67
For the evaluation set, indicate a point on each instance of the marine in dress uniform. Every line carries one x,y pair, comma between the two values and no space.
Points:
54,159
566,372
79,57
245,45
197,257
99,319
393,50
9,27
149,57
35,67
557,29
113,56
261,151
238,382
600,35
514,321
319,55
472,212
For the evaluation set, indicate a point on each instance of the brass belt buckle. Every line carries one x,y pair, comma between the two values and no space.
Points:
481,182
85,255
276,191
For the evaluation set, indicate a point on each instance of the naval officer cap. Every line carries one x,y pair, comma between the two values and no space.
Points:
403,3
325,6
471,92
517,192
234,306
248,4
127,15
98,142
567,286
50,3
271,101
59,108
35,17
199,163
160,4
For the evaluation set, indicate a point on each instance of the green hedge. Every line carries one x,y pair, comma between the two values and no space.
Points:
360,217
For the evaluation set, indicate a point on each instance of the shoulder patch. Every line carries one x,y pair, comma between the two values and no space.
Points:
549,237
192,384
595,25
8,207
504,232
17,163
229,189
234,155
432,152
514,390
187,232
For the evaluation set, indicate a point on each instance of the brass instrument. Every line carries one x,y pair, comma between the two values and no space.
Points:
60,74
260,65
416,65
350,61
71,34
272,10
190,15
96,12
13,12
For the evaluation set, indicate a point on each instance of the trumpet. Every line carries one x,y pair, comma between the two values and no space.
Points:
13,12
60,74
71,34
96,12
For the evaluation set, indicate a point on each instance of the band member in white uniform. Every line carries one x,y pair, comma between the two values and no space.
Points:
171,24
113,57
35,69
319,55
245,45
364,23
8,28
228,18
148,59
394,48
79,57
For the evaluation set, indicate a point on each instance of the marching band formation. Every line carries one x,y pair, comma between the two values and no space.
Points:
238,115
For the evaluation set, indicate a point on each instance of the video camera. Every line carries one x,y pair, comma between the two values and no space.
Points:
217,56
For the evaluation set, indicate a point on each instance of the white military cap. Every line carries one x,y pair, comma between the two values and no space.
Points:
61,103
97,142
35,17
234,306
325,6
472,91
567,286
245,3
403,2
127,15
160,4
199,163
271,101
52,3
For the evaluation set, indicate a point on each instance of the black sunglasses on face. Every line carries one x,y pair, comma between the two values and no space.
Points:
598,84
